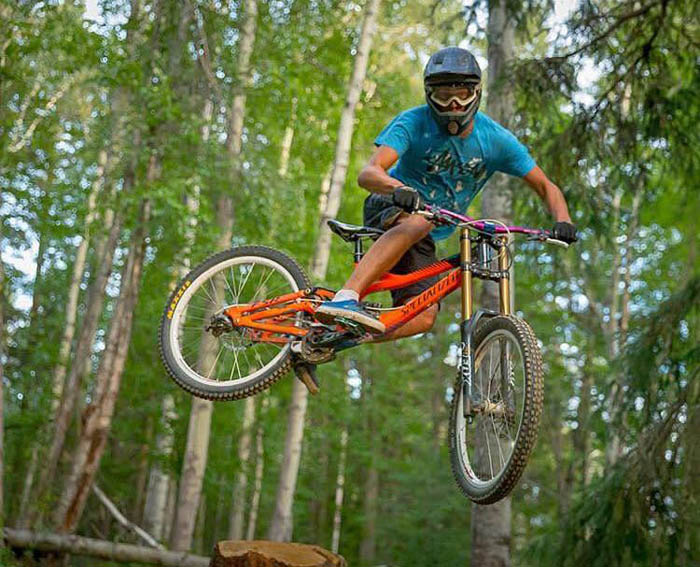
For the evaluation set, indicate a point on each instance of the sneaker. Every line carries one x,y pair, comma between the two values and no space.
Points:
329,312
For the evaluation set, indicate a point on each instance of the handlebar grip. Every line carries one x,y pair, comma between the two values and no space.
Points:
557,242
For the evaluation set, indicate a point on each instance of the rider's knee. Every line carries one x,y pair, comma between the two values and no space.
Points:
428,318
415,226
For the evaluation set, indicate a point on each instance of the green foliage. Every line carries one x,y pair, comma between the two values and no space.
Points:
616,313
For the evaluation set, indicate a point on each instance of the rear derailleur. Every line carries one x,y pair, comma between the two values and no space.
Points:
219,324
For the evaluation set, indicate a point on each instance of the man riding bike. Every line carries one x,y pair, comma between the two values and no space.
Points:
442,154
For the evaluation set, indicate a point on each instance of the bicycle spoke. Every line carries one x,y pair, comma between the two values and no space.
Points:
498,440
488,449
221,348
261,286
233,295
235,292
232,356
245,281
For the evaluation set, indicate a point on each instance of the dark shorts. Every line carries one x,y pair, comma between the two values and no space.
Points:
380,212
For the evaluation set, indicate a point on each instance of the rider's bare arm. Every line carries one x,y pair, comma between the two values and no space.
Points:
550,194
374,176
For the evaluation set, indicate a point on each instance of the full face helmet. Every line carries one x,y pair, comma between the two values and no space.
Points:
452,81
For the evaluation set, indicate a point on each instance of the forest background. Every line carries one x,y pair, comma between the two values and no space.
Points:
138,137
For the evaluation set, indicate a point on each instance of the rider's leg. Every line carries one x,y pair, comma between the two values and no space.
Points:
406,241
387,250
420,324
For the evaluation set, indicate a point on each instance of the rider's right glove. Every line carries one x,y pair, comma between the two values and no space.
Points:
564,231
407,198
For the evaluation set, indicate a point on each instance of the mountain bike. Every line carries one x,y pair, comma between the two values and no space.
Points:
242,319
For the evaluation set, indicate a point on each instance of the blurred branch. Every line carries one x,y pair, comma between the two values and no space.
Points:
58,95
621,20
202,51
112,509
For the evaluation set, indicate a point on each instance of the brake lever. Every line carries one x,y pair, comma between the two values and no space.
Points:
544,238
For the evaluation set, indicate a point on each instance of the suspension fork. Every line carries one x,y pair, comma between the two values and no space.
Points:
470,319
467,326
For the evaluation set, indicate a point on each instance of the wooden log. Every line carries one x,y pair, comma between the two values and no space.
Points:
108,550
273,554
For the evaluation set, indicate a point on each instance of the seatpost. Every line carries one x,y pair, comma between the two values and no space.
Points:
357,255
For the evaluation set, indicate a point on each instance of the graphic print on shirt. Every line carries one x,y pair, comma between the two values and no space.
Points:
447,164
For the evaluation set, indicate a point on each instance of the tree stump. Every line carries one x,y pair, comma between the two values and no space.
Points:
273,554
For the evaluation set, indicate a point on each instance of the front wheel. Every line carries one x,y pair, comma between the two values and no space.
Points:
490,446
227,365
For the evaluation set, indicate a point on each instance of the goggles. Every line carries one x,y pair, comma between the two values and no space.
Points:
462,94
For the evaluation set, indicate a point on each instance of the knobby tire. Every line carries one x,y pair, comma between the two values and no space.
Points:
529,425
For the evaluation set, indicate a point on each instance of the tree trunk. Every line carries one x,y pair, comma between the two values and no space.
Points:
272,554
241,483
614,448
344,139
59,371
164,502
170,510
339,490
490,525
200,414
259,467
36,295
140,485
368,546
104,253
97,417
581,435
198,537
106,550
281,525
83,351
194,463
159,480
2,399
287,142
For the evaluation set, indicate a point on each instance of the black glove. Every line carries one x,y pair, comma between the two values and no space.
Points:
564,231
407,198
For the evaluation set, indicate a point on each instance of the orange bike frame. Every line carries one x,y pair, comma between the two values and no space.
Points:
269,319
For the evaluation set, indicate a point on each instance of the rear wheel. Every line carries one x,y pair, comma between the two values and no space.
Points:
231,365
489,453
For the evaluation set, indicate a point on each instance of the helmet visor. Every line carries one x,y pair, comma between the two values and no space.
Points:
462,94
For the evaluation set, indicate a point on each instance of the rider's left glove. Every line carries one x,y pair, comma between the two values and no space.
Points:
407,198
564,231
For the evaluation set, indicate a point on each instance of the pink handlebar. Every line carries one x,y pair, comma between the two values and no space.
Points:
487,226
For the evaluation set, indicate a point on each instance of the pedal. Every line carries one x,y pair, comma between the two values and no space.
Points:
350,325
307,374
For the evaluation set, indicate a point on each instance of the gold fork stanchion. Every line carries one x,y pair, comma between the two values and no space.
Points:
465,258
504,282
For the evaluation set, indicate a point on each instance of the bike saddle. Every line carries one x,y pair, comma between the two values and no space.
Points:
353,232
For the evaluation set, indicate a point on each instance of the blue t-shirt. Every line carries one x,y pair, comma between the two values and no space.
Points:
449,171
